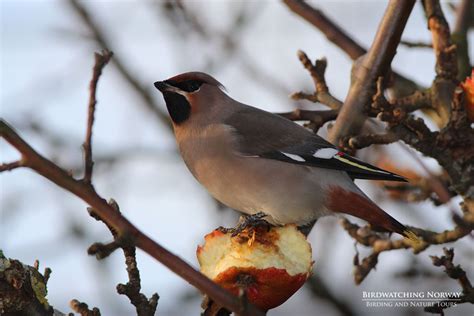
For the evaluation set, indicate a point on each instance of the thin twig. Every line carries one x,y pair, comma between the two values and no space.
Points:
316,118
321,94
362,141
131,289
10,165
83,309
453,271
411,44
100,61
46,274
452,147
143,305
435,183
418,100
418,189
321,90
366,237
456,273
99,35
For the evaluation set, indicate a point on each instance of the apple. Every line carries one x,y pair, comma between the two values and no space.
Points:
270,265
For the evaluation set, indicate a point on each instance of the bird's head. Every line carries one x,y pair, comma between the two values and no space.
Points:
189,93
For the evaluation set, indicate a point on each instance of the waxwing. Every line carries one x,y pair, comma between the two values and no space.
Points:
254,161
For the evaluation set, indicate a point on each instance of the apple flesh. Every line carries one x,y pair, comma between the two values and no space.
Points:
269,265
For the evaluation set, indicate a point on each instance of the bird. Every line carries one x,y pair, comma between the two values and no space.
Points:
258,162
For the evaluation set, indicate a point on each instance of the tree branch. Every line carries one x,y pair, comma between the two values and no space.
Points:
330,29
456,273
10,165
375,64
321,94
402,86
31,159
100,61
464,15
126,235
442,88
23,288
143,305
321,91
362,141
452,147
411,44
366,237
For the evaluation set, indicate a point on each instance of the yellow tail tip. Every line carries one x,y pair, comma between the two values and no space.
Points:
412,236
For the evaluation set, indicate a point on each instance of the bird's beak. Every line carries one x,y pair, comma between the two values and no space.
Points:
163,86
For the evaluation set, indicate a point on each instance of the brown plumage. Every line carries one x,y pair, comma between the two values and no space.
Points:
255,161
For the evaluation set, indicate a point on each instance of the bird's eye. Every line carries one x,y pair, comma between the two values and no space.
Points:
191,85
188,85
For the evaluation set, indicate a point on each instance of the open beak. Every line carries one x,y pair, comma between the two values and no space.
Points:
163,86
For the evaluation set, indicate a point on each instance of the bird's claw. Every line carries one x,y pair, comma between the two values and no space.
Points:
250,222
225,230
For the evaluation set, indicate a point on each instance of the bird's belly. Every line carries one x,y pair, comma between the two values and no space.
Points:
288,193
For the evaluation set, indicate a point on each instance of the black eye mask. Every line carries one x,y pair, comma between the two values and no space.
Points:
188,85
178,107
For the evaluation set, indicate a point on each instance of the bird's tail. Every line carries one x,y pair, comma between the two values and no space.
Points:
412,236
408,233
358,205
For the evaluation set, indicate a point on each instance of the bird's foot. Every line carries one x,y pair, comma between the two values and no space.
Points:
248,223
251,223
306,228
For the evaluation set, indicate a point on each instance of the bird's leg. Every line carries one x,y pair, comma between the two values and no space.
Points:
250,222
306,228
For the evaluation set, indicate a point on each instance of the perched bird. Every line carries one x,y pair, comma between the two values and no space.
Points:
254,161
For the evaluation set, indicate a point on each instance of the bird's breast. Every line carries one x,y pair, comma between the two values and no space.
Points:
201,148
289,193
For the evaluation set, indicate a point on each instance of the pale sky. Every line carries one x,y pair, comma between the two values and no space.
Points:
46,65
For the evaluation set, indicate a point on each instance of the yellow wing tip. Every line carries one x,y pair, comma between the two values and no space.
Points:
412,236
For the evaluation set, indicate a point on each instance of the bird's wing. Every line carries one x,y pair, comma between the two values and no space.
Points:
266,135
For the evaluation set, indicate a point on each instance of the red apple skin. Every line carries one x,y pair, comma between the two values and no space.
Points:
260,262
268,287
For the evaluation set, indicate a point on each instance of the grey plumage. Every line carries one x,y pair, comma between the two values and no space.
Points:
255,161
281,139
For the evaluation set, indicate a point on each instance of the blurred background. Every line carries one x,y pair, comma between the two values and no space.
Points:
250,46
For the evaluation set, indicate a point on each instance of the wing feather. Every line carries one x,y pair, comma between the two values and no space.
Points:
266,135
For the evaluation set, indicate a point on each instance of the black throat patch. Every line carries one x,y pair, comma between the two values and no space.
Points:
178,107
